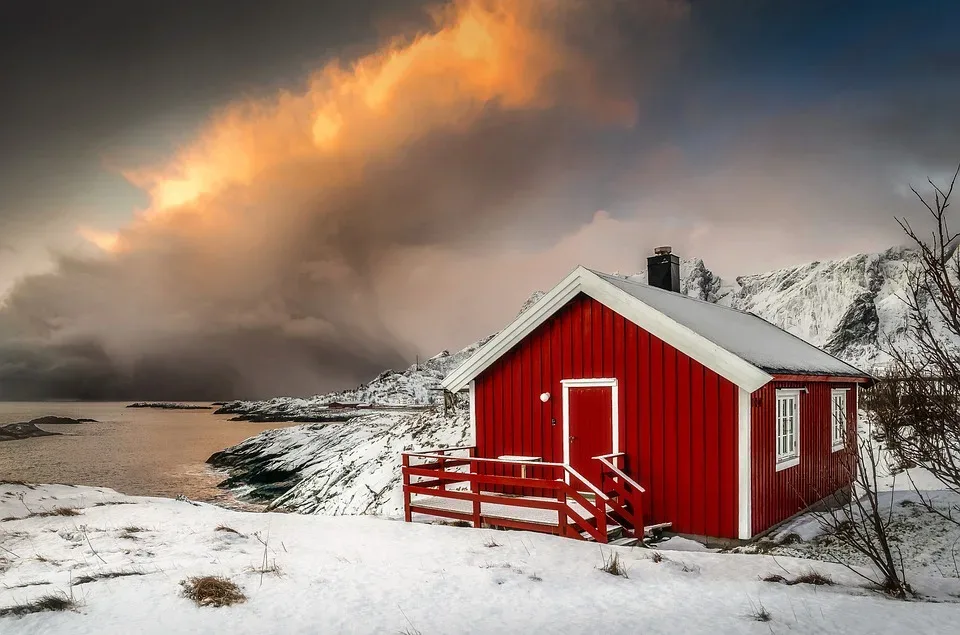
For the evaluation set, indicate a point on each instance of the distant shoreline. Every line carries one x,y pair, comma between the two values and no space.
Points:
162,405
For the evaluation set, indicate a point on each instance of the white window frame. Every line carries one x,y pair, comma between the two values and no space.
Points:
838,396
790,459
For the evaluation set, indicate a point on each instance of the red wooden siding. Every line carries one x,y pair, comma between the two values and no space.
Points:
778,495
677,419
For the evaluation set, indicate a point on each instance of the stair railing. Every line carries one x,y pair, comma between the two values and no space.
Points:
628,499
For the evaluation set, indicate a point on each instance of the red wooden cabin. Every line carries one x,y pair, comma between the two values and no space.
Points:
615,404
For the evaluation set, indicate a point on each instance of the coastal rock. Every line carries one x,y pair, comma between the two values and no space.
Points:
29,429
23,430
59,421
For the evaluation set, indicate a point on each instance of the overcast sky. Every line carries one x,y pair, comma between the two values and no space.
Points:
243,198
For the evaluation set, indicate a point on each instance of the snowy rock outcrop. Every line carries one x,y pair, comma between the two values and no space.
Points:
337,468
850,307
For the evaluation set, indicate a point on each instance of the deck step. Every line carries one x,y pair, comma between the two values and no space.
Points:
614,532
625,541
656,531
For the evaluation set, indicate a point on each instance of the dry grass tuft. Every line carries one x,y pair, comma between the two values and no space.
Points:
63,511
229,530
133,529
56,511
657,557
212,591
51,602
810,577
270,569
759,613
84,579
491,544
613,565
815,578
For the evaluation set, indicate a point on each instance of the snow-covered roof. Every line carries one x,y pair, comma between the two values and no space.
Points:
744,348
746,335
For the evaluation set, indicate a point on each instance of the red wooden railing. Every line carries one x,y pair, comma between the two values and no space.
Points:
439,474
624,493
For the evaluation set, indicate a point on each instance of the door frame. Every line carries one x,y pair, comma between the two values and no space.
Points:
600,382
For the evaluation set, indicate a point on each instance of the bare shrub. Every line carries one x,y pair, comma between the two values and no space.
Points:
212,591
916,405
859,520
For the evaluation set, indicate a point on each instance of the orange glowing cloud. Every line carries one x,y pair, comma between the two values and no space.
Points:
479,54
106,241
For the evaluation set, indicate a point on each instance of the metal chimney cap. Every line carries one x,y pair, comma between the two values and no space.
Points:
661,251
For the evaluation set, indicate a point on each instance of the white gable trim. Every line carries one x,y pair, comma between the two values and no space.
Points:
721,361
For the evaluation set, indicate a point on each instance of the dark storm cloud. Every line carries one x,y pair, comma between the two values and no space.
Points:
267,280
82,80
308,240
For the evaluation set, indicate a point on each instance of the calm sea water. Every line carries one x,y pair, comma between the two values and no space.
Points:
136,451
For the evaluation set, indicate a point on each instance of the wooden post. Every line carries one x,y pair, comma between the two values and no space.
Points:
407,516
443,468
475,488
602,519
561,513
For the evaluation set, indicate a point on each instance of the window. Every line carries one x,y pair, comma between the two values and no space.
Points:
788,428
838,418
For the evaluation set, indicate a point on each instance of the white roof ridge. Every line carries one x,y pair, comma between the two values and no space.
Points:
729,308
681,295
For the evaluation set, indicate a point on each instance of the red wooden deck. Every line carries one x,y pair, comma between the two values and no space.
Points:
447,483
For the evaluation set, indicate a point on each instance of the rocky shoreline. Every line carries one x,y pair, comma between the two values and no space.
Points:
30,429
334,469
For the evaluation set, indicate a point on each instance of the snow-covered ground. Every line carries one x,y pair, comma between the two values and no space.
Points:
372,575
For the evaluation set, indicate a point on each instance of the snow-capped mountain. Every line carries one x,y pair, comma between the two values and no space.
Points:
850,307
